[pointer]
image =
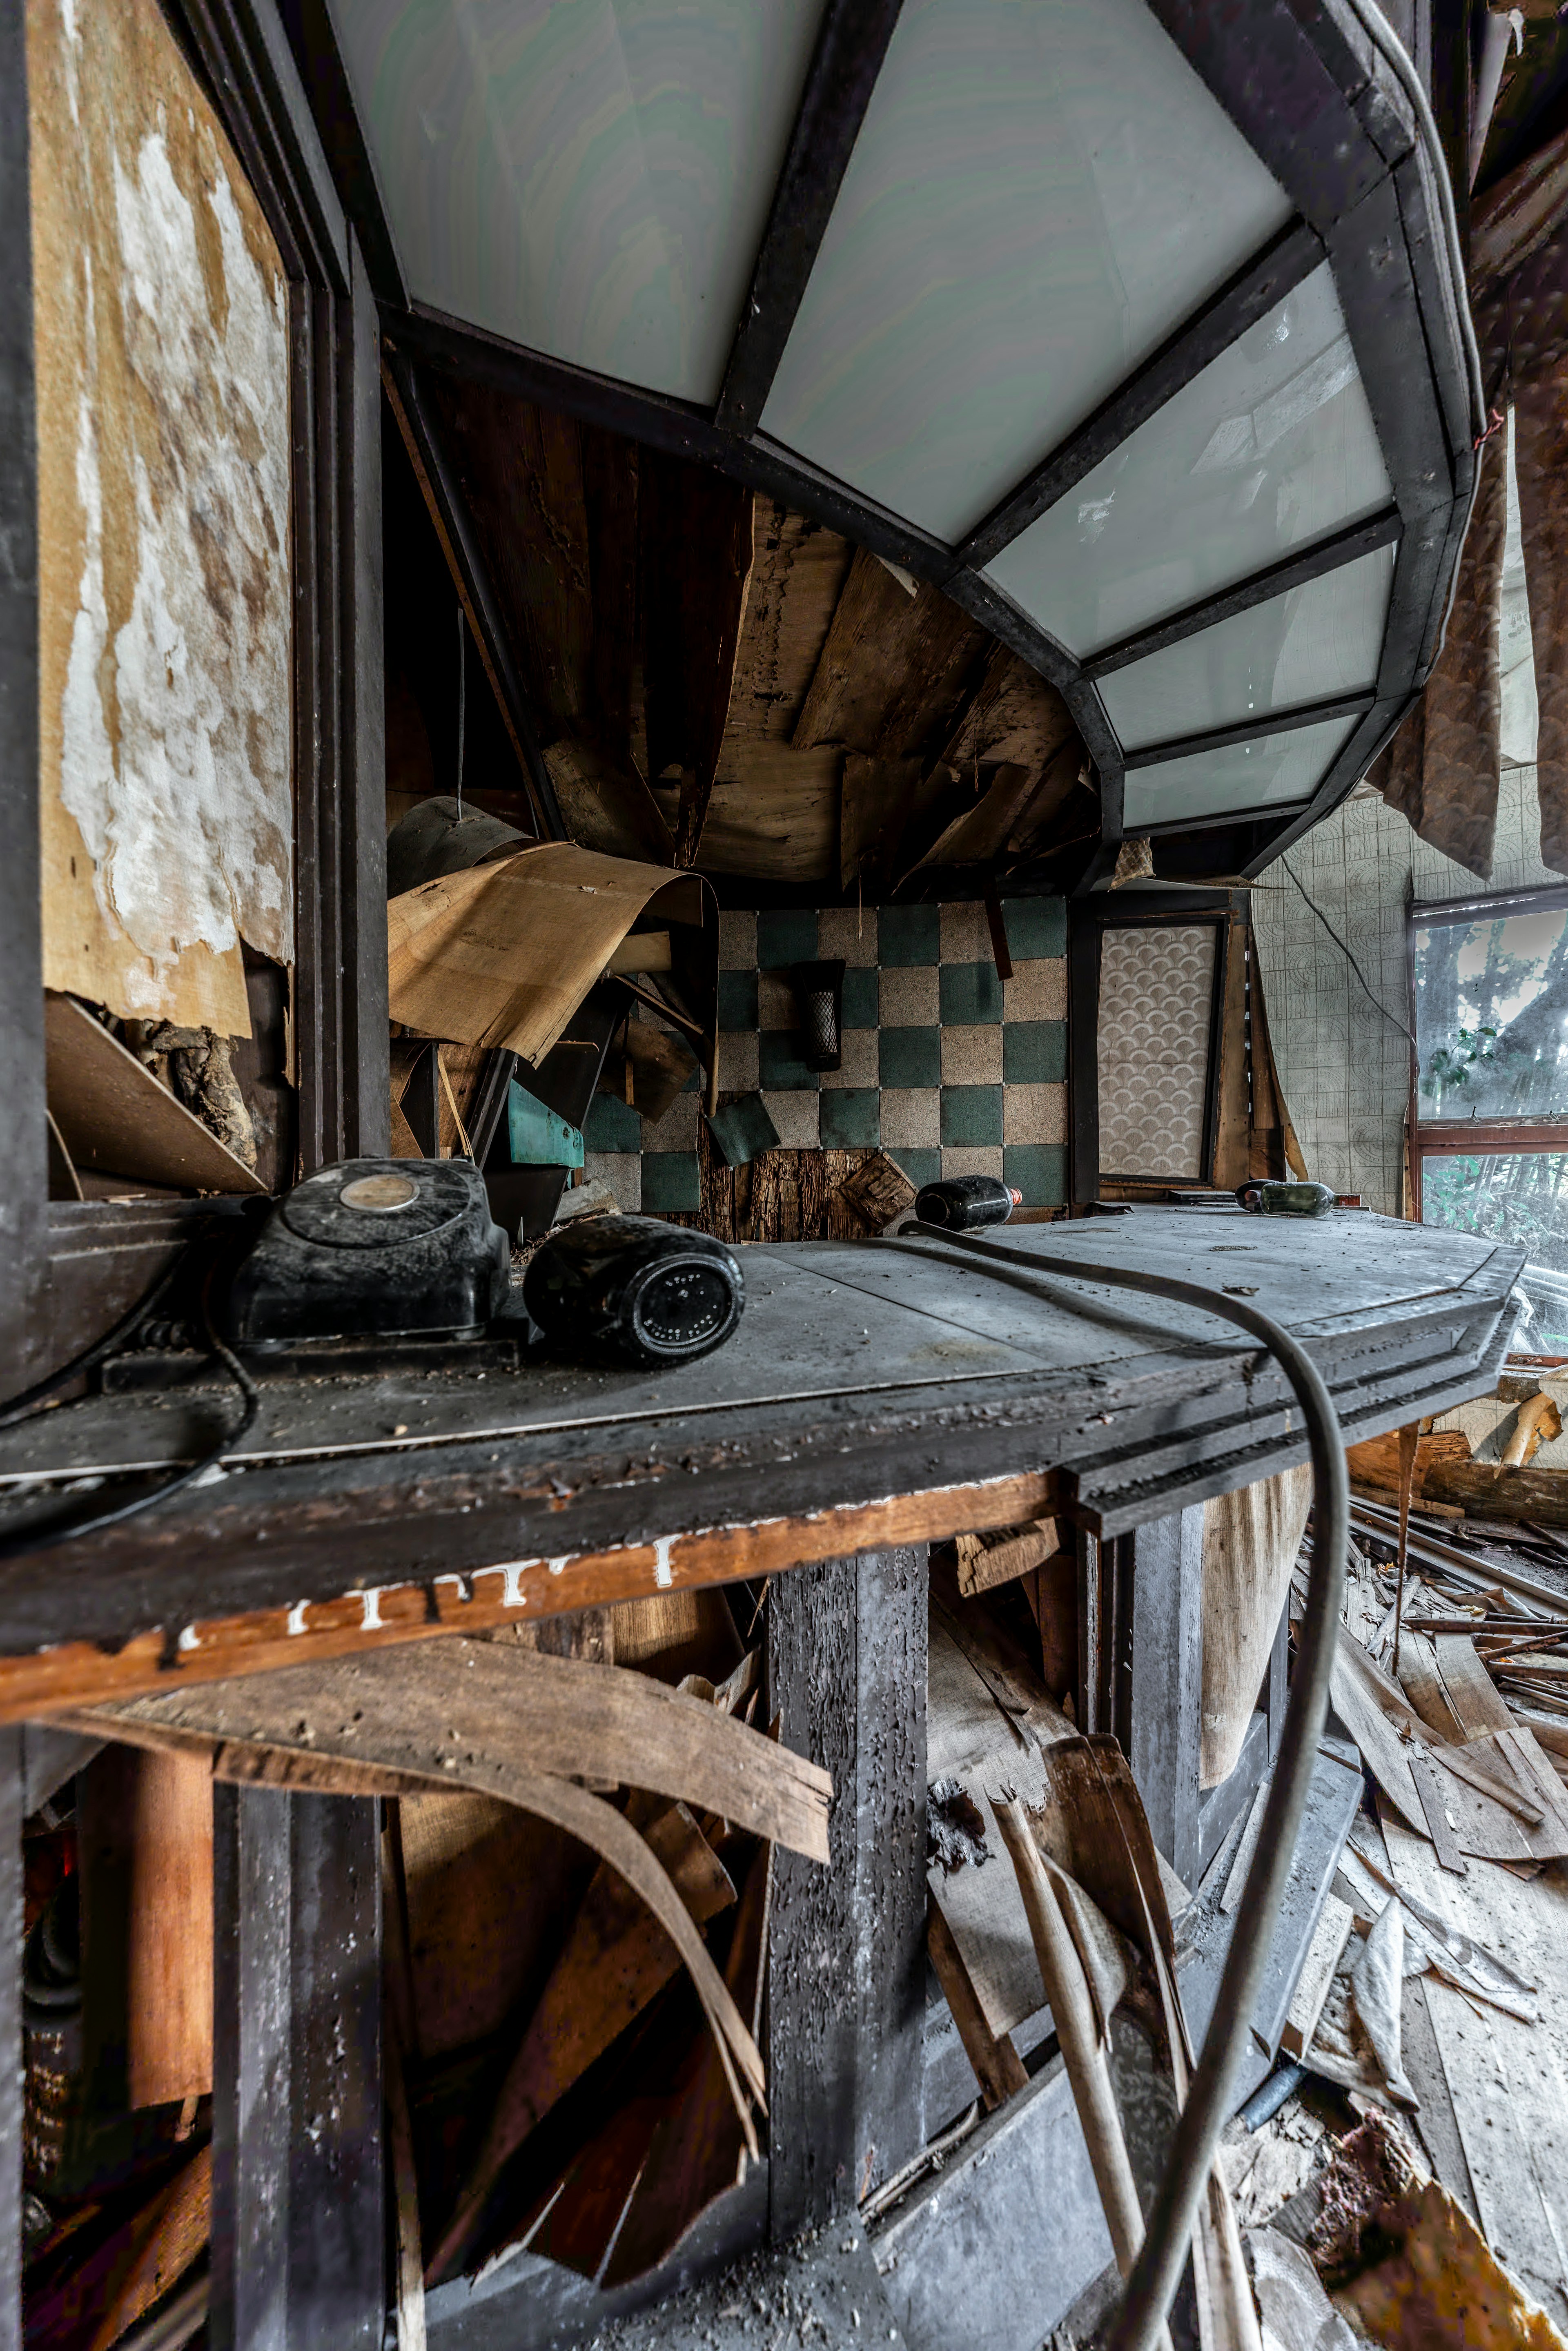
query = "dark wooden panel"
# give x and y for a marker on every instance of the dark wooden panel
(24, 1172)
(11, 1804)
(299, 2216)
(846, 1993)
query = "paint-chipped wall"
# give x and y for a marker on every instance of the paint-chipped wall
(162, 397)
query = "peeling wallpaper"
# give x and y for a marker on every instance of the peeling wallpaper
(162, 393)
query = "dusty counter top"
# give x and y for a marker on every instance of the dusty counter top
(874, 1393)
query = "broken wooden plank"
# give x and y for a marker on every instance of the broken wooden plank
(1430, 1788)
(114, 1116)
(1005, 1553)
(1329, 1938)
(1505, 2077)
(458, 1707)
(613, 1964)
(696, 529)
(697, 2153)
(997, 2067)
(798, 573)
(894, 668)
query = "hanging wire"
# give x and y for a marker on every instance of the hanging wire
(462, 701)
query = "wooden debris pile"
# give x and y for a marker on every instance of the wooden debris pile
(1437, 1984)
(577, 1863)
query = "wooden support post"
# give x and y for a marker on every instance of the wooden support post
(298, 2218)
(11, 2092)
(1164, 1731)
(846, 1996)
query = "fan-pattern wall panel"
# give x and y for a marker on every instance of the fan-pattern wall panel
(1156, 999)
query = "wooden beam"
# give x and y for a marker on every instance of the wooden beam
(81, 1673)
(847, 1650)
(299, 2224)
(697, 530)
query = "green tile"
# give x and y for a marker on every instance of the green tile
(1034, 1052)
(861, 998)
(972, 1114)
(778, 1061)
(672, 1184)
(742, 1129)
(612, 1125)
(971, 993)
(909, 935)
(738, 1000)
(852, 1117)
(788, 934)
(1038, 1170)
(1036, 926)
(910, 1057)
(920, 1166)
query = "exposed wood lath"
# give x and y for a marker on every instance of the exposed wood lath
(718, 680)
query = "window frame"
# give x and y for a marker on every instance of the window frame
(1465, 1138)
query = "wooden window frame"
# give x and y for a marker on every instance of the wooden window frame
(1090, 919)
(69, 1269)
(1464, 1138)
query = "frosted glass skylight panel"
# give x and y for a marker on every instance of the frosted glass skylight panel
(1270, 771)
(1271, 447)
(590, 178)
(1042, 192)
(1313, 643)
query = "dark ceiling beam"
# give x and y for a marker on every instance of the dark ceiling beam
(1251, 729)
(851, 46)
(1293, 571)
(677, 427)
(1249, 296)
(448, 510)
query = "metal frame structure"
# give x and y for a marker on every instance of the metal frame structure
(1321, 109)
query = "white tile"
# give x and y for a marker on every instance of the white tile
(966, 934)
(776, 1005)
(908, 994)
(796, 1117)
(1037, 991)
(860, 1060)
(911, 1118)
(849, 932)
(1034, 1113)
(737, 1058)
(973, 1057)
(677, 1130)
(622, 1170)
(737, 939)
(971, 1159)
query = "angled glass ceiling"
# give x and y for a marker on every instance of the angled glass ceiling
(1317, 642)
(1040, 191)
(1271, 447)
(590, 178)
(996, 214)
(1270, 771)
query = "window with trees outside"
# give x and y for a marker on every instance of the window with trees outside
(1489, 1115)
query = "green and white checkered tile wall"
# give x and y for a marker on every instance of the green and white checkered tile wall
(952, 1070)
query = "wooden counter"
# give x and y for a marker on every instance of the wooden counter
(876, 1394)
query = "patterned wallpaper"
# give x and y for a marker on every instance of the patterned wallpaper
(1345, 1068)
(949, 1069)
(1157, 996)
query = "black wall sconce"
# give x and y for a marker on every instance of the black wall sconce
(820, 997)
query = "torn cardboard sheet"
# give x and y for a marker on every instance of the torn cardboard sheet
(503, 954)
